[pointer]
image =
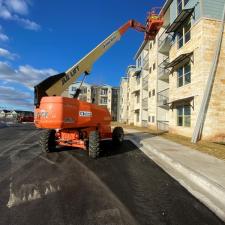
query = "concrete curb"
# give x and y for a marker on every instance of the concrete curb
(205, 190)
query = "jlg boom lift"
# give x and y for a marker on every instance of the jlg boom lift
(70, 122)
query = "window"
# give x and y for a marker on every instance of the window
(104, 91)
(151, 45)
(153, 119)
(150, 94)
(184, 116)
(83, 90)
(153, 92)
(184, 75)
(184, 34)
(149, 119)
(74, 88)
(150, 70)
(179, 6)
(154, 66)
(103, 100)
(186, 2)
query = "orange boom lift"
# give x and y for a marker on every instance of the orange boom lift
(75, 123)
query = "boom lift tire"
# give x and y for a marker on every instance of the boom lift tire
(47, 141)
(117, 136)
(94, 144)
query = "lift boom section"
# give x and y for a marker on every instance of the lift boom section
(55, 85)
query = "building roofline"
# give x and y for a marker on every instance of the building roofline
(140, 49)
(129, 67)
(165, 6)
(163, 10)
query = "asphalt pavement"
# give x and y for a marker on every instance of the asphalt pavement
(123, 186)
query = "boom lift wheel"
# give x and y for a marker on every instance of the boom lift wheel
(117, 135)
(94, 144)
(47, 141)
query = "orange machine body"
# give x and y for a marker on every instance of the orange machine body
(153, 24)
(72, 119)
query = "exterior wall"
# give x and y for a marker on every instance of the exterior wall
(152, 86)
(198, 80)
(215, 120)
(115, 104)
(130, 96)
(191, 4)
(203, 53)
(123, 102)
(213, 9)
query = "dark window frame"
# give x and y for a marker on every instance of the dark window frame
(184, 115)
(184, 75)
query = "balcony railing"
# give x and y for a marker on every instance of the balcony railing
(145, 62)
(164, 62)
(163, 98)
(165, 42)
(163, 73)
(145, 103)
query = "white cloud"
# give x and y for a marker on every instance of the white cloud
(7, 54)
(25, 75)
(12, 9)
(17, 6)
(3, 36)
(27, 24)
(15, 98)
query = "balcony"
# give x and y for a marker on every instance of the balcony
(137, 106)
(163, 98)
(163, 74)
(163, 71)
(145, 83)
(145, 62)
(136, 87)
(165, 42)
(145, 103)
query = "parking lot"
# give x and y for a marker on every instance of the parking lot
(123, 186)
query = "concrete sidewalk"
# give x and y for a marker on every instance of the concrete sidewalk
(201, 174)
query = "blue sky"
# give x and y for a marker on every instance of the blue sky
(39, 38)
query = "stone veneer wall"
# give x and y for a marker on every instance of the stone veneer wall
(203, 41)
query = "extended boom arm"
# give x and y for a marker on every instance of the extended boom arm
(55, 85)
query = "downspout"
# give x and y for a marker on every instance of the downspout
(209, 85)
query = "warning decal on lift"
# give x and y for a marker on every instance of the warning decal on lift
(85, 114)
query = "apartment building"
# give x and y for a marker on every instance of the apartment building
(105, 95)
(85, 94)
(141, 81)
(183, 56)
(102, 95)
